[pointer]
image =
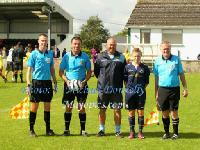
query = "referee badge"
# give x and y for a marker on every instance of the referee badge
(172, 67)
(48, 60)
(81, 62)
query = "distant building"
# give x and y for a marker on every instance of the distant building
(24, 19)
(177, 21)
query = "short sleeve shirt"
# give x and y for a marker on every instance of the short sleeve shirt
(168, 71)
(75, 67)
(41, 63)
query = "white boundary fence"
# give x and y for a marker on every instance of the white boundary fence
(149, 51)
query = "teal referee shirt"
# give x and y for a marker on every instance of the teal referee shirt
(168, 71)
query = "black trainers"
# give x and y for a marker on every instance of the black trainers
(32, 133)
(166, 136)
(101, 133)
(84, 133)
(174, 137)
(119, 135)
(66, 133)
(50, 133)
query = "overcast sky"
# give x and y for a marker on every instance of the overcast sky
(114, 13)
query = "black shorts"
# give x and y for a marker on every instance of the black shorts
(69, 96)
(136, 102)
(41, 91)
(18, 66)
(168, 98)
(115, 100)
(9, 66)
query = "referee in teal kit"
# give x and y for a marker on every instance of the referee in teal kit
(167, 69)
(75, 65)
(41, 68)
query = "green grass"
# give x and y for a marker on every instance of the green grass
(14, 133)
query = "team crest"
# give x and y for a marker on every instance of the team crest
(141, 71)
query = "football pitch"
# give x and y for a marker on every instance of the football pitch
(14, 134)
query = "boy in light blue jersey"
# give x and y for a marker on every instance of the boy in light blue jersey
(75, 66)
(167, 70)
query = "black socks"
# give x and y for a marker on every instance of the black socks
(67, 117)
(132, 123)
(82, 117)
(166, 122)
(141, 123)
(175, 123)
(32, 118)
(47, 120)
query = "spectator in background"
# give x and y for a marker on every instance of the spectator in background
(93, 55)
(1, 67)
(4, 56)
(29, 52)
(56, 52)
(17, 57)
(28, 48)
(9, 62)
(36, 47)
(126, 55)
(64, 52)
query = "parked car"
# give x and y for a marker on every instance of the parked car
(198, 57)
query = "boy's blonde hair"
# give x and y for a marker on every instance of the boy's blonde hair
(136, 50)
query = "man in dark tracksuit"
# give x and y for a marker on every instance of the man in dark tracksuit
(109, 68)
(17, 58)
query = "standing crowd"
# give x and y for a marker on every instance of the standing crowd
(12, 61)
(112, 70)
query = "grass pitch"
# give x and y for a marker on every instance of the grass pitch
(14, 133)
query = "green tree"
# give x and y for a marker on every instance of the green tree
(93, 33)
(124, 32)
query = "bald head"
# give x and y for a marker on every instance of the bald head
(111, 39)
(111, 45)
